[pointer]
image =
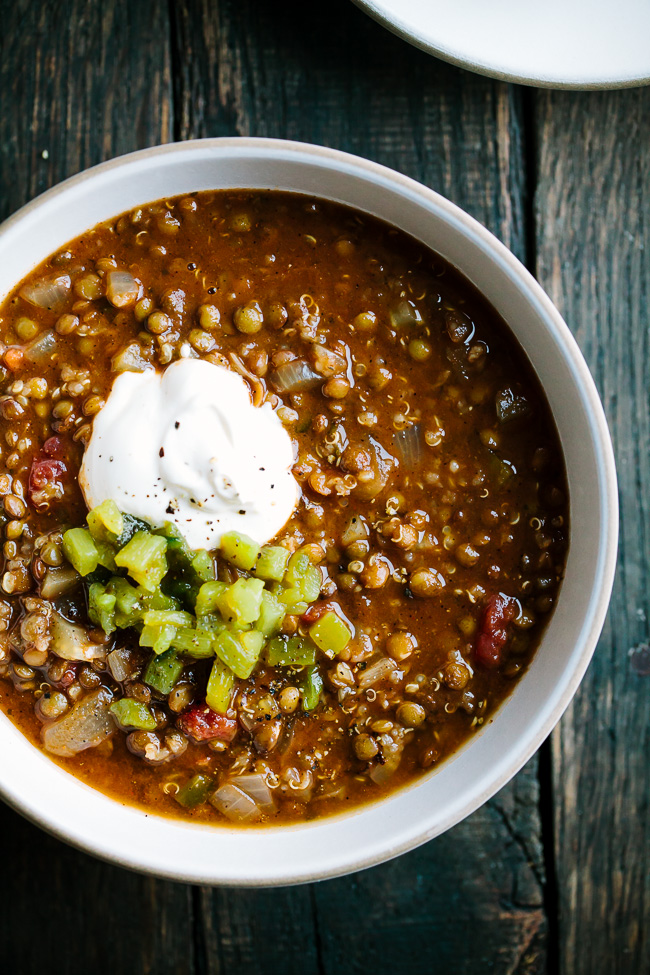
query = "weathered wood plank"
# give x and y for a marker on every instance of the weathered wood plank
(261, 932)
(81, 82)
(467, 902)
(62, 908)
(327, 74)
(593, 243)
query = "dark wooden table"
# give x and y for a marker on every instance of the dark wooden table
(553, 875)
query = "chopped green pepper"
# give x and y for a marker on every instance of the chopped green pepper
(194, 641)
(220, 687)
(101, 607)
(330, 634)
(184, 559)
(272, 563)
(178, 608)
(80, 550)
(127, 597)
(106, 555)
(159, 638)
(272, 612)
(133, 714)
(203, 565)
(239, 550)
(105, 517)
(293, 601)
(209, 597)
(194, 792)
(311, 687)
(291, 651)
(239, 651)
(244, 600)
(131, 525)
(144, 559)
(162, 672)
(167, 617)
(298, 565)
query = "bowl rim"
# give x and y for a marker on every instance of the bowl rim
(378, 175)
(377, 11)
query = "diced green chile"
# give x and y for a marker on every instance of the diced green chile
(163, 672)
(133, 714)
(290, 651)
(220, 687)
(311, 687)
(80, 550)
(194, 792)
(144, 557)
(240, 550)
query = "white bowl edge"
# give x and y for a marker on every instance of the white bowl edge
(381, 830)
(434, 35)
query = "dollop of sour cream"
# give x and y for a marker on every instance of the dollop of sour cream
(188, 446)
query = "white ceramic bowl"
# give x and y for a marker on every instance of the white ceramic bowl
(579, 44)
(71, 810)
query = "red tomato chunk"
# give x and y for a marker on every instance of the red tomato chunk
(203, 724)
(46, 473)
(493, 633)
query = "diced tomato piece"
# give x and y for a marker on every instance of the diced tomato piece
(45, 485)
(203, 724)
(499, 612)
(46, 476)
(316, 610)
(54, 447)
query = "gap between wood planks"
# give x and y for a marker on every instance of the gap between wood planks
(545, 760)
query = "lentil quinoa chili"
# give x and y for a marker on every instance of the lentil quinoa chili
(398, 605)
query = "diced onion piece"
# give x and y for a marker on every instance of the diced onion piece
(247, 721)
(257, 385)
(121, 663)
(255, 786)
(71, 642)
(297, 783)
(122, 289)
(355, 531)
(405, 313)
(295, 375)
(130, 359)
(376, 672)
(41, 348)
(51, 292)
(332, 794)
(235, 804)
(328, 363)
(59, 581)
(381, 773)
(408, 445)
(87, 725)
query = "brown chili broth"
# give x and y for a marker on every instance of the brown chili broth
(275, 248)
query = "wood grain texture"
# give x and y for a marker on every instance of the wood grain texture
(82, 81)
(79, 82)
(74, 914)
(326, 74)
(593, 257)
